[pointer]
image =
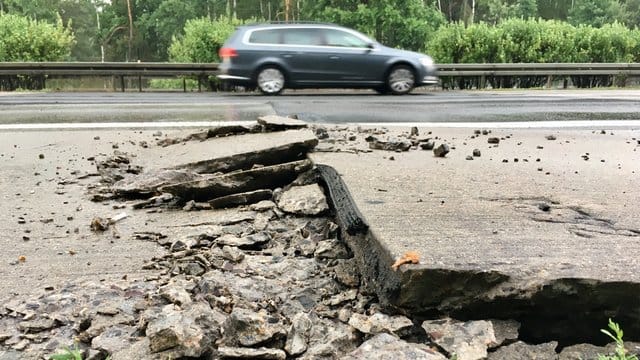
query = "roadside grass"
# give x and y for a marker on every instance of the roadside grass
(70, 354)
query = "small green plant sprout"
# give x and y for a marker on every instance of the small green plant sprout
(68, 354)
(616, 334)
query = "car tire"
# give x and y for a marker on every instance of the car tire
(401, 80)
(270, 80)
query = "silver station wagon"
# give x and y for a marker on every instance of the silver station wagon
(273, 57)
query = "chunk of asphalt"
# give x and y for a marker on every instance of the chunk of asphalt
(278, 123)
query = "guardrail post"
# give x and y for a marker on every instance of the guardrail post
(184, 84)
(139, 83)
(199, 83)
(122, 82)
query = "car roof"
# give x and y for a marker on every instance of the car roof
(292, 24)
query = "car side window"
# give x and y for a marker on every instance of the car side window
(341, 38)
(271, 36)
(301, 37)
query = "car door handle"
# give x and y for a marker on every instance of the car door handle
(287, 55)
(334, 57)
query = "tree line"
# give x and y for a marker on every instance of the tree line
(145, 30)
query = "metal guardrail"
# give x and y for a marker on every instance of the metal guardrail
(201, 71)
(550, 69)
(119, 70)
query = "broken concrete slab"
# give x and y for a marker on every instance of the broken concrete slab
(521, 350)
(249, 241)
(248, 328)
(593, 352)
(113, 339)
(218, 131)
(148, 182)
(182, 333)
(390, 144)
(240, 152)
(279, 123)
(298, 336)
(165, 199)
(228, 352)
(386, 346)
(485, 248)
(246, 198)
(303, 200)
(211, 187)
(506, 331)
(379, 322)
(465, 341)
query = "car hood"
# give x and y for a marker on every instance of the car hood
(401, 53)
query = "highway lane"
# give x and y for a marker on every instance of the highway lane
(442, 108)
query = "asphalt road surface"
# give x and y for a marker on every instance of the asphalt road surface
(443, 108)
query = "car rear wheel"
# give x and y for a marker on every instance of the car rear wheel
(401, 80)
(270, 80)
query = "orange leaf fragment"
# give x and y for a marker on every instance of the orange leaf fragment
(22, 258)
(410, 257)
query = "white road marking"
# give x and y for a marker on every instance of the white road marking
(635, 124)
(631, 124)
(123, 125)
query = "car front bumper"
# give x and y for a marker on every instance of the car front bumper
(232, 77)
(429, 80)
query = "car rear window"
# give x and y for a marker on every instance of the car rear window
(302, 37)
(288, 36)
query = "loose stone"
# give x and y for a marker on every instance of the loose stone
(441, 151)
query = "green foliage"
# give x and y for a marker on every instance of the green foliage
(534, 41)
(406, 24)
(77, 15)
(409, 24)
(174, 84)
(595, 12)
(494, 11)
(616, 333)
(23, 39)
(202, 40)
(68, 354)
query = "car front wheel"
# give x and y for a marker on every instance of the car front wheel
(401, 80)
(270, 80)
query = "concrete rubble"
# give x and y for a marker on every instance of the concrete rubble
(254, 263)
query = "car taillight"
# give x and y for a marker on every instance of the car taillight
(227, 53)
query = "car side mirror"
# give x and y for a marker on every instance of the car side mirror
(371, 46)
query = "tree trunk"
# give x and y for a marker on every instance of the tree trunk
(473, 11)
(287, 9)
(130, 29)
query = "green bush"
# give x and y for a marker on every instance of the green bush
(406, 24)
(23, 39)
(534, 41)
(202, 40)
